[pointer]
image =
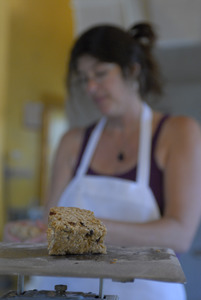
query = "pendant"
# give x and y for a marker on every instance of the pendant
(120, 156)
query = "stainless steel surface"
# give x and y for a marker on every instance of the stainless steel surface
(120, 263)
(52, 295)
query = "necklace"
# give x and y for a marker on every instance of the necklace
(120, 156)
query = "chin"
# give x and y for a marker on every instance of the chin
(105, 111)
(105, 107)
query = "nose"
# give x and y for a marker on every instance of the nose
(91, 86)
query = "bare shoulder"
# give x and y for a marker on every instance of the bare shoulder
(72, 137)
(67, 152)
(182, 129)
(181, 136)
(70, 143)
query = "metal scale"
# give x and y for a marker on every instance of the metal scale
(120, 264)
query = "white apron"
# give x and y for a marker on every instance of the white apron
(117, 199)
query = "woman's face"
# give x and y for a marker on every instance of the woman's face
(104, 84)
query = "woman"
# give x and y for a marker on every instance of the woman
(137, 169)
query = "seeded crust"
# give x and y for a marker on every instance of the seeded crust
(72, 230)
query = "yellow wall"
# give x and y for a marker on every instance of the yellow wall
(41, 33)
(4, 43)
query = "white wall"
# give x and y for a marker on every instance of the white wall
(181, 68)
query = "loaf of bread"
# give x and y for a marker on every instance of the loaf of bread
(72, 230)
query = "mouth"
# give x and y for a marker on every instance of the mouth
(102, 103)
(99, 99)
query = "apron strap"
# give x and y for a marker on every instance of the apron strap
(144, 152)
(90, 148)
(143, 170)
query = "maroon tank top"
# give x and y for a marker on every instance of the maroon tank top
(156, 174)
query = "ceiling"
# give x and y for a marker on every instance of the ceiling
(176, 21)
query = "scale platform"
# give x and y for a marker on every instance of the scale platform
(123, 264)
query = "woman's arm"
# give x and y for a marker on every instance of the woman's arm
(63, 166)
(181, 165)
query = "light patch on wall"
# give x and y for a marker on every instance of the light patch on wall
(33, 114)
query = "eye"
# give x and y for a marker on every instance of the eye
(101, 74)
(103, 70)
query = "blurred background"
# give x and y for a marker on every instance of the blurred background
(35, 40)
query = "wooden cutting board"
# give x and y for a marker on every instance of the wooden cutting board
(120, 263)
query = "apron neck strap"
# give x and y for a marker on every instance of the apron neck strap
(90, 148)
(144, 151)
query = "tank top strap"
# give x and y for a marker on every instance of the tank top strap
(158, 130)
(144, 151)
(90, 148)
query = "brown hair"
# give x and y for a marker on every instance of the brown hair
(109, 43)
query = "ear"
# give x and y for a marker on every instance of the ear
(132, 72)
(135, 70)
